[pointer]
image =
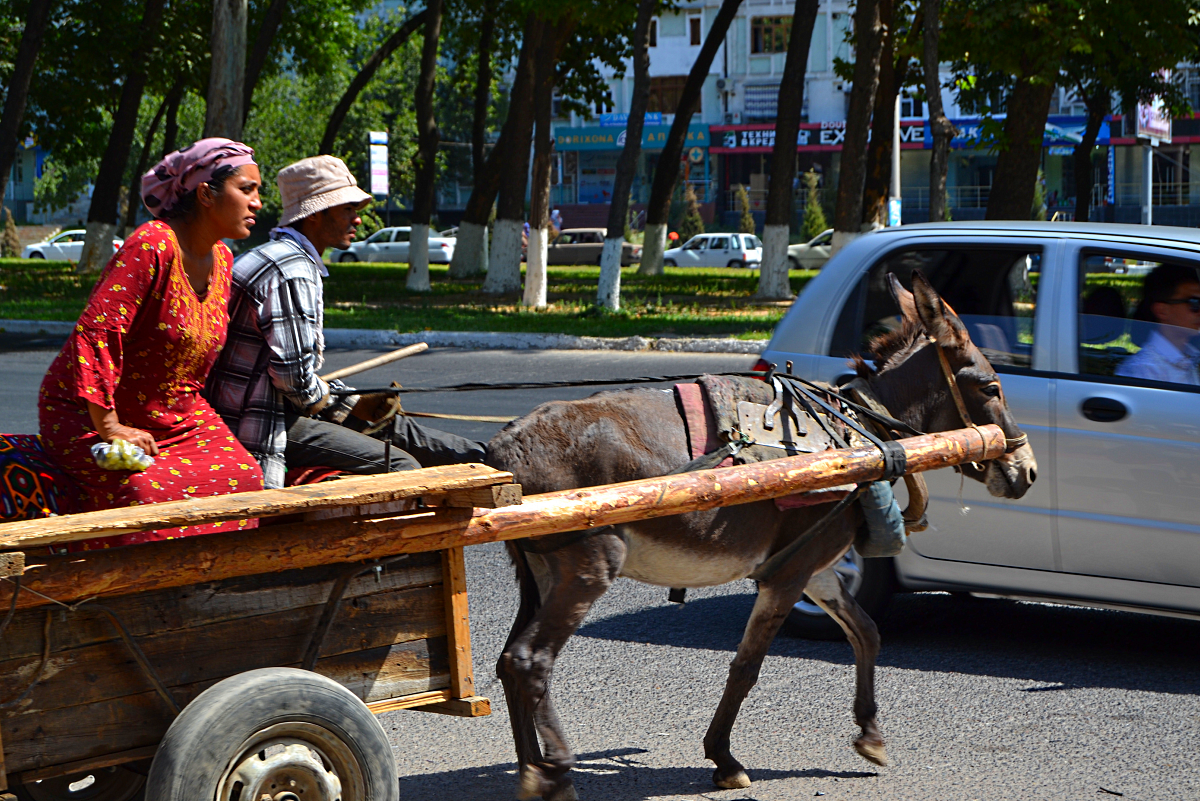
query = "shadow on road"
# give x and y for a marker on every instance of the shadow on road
(615, 773)
(1061, 647)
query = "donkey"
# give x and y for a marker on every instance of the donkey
(630, 434)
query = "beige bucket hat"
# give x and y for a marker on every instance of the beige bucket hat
(315, 184)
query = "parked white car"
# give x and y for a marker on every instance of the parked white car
(1111, 520)
(391, 245)
(716, 250)
(813, 254)
(65, 245)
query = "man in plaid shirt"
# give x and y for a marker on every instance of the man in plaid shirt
(265, 383)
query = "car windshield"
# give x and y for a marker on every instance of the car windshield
(822, 239)
(695, 243)
(380, 236)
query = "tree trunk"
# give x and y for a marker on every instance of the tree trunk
(847, 217)
(883, 122)
(18, 86)
(543, 155)
(1017, 167)
(106, 193)
(425, 159)
(608, 292)
(940, 126)
(226, 81)
(471, 248)
(773, 281)
(1098, 104)
(171, 131)
(667, 172)
(135, 183)
(256, 59)
(364, 76)
(504, 270)
(483, 87)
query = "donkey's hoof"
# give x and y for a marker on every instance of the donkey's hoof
(736, 780)
(565, 792)
(873, 751)
(531, 785)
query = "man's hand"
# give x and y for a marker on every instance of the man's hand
(376, 409)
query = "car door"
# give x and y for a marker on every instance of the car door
(692, 252)
(591, 244)
(372, 249)
(1127, 447)
(817, 252)
(559, 249)
(993, 285)
(69, 245)
(717, 252)
(398, 248)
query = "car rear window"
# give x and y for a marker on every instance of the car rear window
(993, 290)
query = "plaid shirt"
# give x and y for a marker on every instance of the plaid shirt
(274, 349)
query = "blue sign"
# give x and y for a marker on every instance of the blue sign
(893, 212)
(1060, 131)
(654, 137)
(621, 119)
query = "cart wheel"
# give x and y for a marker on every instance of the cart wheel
(106, 784)
(286, 734)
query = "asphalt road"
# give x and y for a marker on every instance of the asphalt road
(979, 698)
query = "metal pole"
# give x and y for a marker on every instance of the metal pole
(895, 190)
(1147, 183)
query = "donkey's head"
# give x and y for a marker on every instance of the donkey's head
(932, 376)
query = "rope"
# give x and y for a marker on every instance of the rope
(588, 382)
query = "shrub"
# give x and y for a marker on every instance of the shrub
(693, 223)
(746, 223)
(814, 215)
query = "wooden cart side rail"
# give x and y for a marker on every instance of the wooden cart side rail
(465, 479)
(194, 560)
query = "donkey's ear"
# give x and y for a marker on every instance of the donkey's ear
(903, 298)
(939, 319)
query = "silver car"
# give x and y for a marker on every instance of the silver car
(391, 245)
(65, 246)
(1110, 521)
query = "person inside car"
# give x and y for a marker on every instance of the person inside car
(1171, 302)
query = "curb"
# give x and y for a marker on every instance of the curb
(478, 340)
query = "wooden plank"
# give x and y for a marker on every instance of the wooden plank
(217, 556)
(133, 721)
(357, 490)
(85, 765)
(104, 671)
(196, 606)
(410, 701)
(458, 625)
(13, 564)
(485, 497)
(473, 707)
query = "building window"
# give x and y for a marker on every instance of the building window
(653, 33)
(910, 106)
(694, 30)
(605, 106)
(665, 93)
(770, 34)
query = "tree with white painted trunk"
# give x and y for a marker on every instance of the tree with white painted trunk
(868, 47)
(608, 293)
(773, 281)
(425, 159)
(666, 174)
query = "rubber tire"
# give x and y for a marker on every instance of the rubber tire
(736, 265)
(200, 745)
(874, 594)
(793, 263)
(669, 263)
(347, 257)
(37, 254)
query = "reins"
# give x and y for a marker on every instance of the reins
(1010, 443)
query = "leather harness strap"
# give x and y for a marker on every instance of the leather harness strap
(1010, 443)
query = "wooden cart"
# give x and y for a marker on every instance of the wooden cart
(360, 581)
(93, 682)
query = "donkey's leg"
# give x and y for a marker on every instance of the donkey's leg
(520, 715)
(828, 592)
(581, 573)
(775, 599)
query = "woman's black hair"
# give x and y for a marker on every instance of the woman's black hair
(187, 204)
(1160, 285)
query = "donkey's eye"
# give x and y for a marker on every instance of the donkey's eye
(991, 390)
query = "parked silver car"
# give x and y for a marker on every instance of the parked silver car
(1112, 519)
(716, 250)
(65, 245)
(391, 245)
(813, 254)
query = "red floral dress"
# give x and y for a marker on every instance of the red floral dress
(144, 345)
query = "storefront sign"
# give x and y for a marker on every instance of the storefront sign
(1061, 131)
(811, 136)
(379, 162)
(621, 119)
(654, 137)
(1153, 119)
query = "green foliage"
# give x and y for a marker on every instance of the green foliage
(746, 221)
(814, 215)
(630, 216)
(61, 183)
(692, 223)
(10, 243)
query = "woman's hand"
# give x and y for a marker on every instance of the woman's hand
(109, 428)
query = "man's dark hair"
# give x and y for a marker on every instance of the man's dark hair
(1160, 285)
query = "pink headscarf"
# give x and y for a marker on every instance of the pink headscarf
(184, 170)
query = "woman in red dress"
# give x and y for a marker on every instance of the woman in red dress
(134, 366)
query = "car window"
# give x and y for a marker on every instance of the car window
(695, 243)
(753, 242)
(736, 242)
(401, 236)
(564, 239)
(718, 243)
(993, 290)
(822, 239)
(380, 236)
(1138, 318)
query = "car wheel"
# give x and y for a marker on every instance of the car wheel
(668, 263)
(736, 264)
(346, 257)
(793, 263)
(870, 581)
(36, 255)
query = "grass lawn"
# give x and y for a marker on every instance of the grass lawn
(691, 301)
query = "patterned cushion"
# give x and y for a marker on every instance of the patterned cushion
(31, 486)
